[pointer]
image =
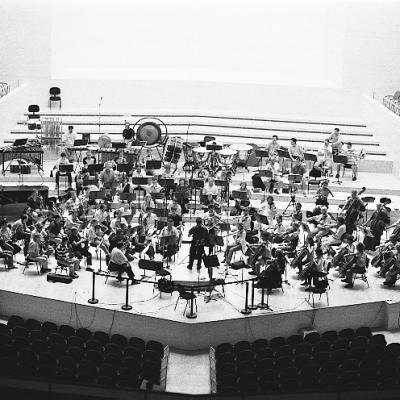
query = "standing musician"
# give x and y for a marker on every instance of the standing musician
(335, 139)
(295, 150)
(213, 161)
(211, 220)
(324, 158)
(299, 168)
(170, 247)
(353, 207)
(239, 244)
(200, 236)
(269, 210)
(356, 264)
(182, 194)
(322, 194)
(69, 139)
(128, 133)
(272, 149)
(273, 166)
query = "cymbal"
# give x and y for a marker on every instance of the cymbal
(240, 147)
(201, 150)
(227, 152)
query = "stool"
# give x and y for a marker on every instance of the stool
(55, 96)
(30, 262)
(313, 291)
(361, 276)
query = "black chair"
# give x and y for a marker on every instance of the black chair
(328, 382)
(150, 355)
(244, 355)
(227, 368)
(323, 345)
(77, 353)
(259, 344)
(301, 360)
(14, 321)
(112, 348)
(47, 359)
(339, 355)
(284, 362)
(330, 367)
(330, 336)
(285, 350)
(155, 346)
(4, 328)
(248, 382)
(185, 295)
(49, 327)
(312, 337)
(132, 363)
(242, 345)
(223, 348)
(114, 359)
(5, 338)
(66, 331)
(20, 342)
(32, 324)
(269, 386)
(95, 356)
(37, 335)
(266, 352)
(20, 331)
(225, 358)
(45, 372)
(151, 372)
(277, 342)
(84, 333)
(310, 369)
(321, 357)
(393, 349)
(137, 342)
(294, 340)
(119, 340)
(303, 348)
(350, 364)
(264, 364)
(39, 346)
(128, 378)
(378, 339)
(54, 96)
(58, 349)
(93, 344)
(65, 375)
(75, 341)
(347, 333)
(67, 362)
(107, 370)
(341, 343)
(364, 331)
(101, 337)
(56, 338)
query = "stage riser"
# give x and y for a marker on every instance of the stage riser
(193, 334)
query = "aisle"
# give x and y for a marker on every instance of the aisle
(188, 372)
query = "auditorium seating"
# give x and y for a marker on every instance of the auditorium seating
(45, 351)
(348, 359)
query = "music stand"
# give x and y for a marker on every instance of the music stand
(80, 142)
(310, 157)
(263, 219)
(118, 145)
(261, 154)
(93, 168)
(164, 242)
(240, 195)
(139, 181)
(195, 184)
(219, 182)
(153, 164)
(339, 159)
(97, 194)
(294, 178)
(127, 196)
(66, 168)
(213, 147)
(124, 167)
(166, 182)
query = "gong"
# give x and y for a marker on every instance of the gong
(149, 132)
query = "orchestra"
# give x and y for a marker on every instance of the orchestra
(155, 215)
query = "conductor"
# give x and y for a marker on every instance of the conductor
(200, 235)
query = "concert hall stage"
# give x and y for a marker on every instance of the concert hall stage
(153, 316)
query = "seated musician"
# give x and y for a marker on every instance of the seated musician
(337, 235)
(118, 222)
(297, 215)
(261, 254)
(358, 265)
(322, 194)
(375, 227)
(35, 253)
(324, 158)
(210, 201)
(34, 201)
(166, 171)
(147, 202)
(102, 216)
(213, 161)
(279, 230)
(268, 209)
(139, 172)
(291, 238)
(73, 203)
(55, 228)
(120, 263)
(182, 194)
(392, 274)
(89, 159)
(143, 243)
(322, 223)
(347, 247)
(108, 178)
(149, 222)
(44, 239)
(241, 203)
(335, 139)
(299, 168)
(97, 237)
(120, 159)
(304, 255)
(8, 256)
(62, 161)
(295, 150)
(275, 181)
(154, 186)
(64, 257)
(257, 181)
(315, 268)
(210, 187)
(238, 245)
(352, 158)
(171, 245)
(80, 247)
(21, 231)
(211, 220)
(271, 277)
(178, 222)
(174, 204)
(71, 220)
(248, 225)
(354, 205)
(200, 237)
(6, 237)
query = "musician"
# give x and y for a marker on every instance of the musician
(239, 244)
(64, 258)
(55, 228)
(176, 217)
(80, 247)
(295, 150)
(8, 257)
(62, 161)
(120, 263)
(69, 139)
(299, 168)
(73, 203)
(147, 202)
(174, 204)
(34, 201)
(143, 243)
(211, 187)
(272, 149)
(269, 210)
(149, 222)
(6, 236)
(200, 236)
(377, 224)
(120, 159)
(358, 265)
(322, 194)
(182, 194)
(107, 177)
(354, 205)
(261, 254)
(314, 268)
(169, 248)
(392, 275)
(89, 159)
(97, 238)
(323, 222)
(335, 139)
(154, 186)
(71, 220)
(213, 161)
(347, 247)
(273, 166)
(291, 238)
(259, 226)
(210, 201)
(324, 158)
(139, 172)
(297, 215)
(118, 222)
(337, 236)
(102, 216)
(271, 277)
(304, 255)
(35, 253)
(211, 220)
(241, 203)
(21, 231)
(278, 230)
(128, 133)
(352, 158)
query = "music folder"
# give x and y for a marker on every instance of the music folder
(97, 194)
(261, 153)
(80, 142)
(153, 164)
(93, 168)
(196, 183)
(140, 180)
(118, 145)
(239, 194)
(219, 182)
(124, 167)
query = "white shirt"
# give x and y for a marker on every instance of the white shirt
(69, 139)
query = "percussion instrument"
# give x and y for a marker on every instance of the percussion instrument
(173, 150)
(227, 156)
(243, 153)
(104, 142)
(200, 155)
